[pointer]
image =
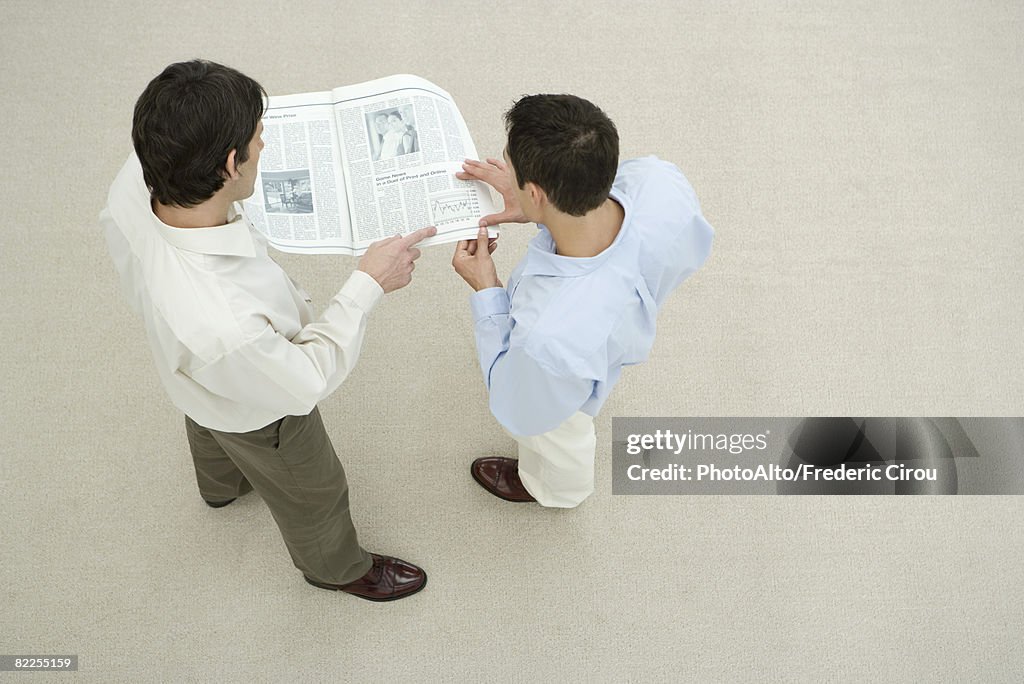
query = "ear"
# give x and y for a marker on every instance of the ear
(231, 167)
(537, 194)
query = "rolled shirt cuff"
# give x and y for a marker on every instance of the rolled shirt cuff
(491, 301)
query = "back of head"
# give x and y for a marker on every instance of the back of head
(565, 145)
(186, 122)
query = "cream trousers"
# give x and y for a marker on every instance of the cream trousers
(557, 467)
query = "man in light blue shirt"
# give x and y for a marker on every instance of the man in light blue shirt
(613, 242)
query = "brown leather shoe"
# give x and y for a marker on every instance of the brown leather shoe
(500, 476)
(389, 579)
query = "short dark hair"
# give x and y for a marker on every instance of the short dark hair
(186, 122)
(565, 145)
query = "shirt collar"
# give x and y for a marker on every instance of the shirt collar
(541, 259)
(231, 239)
(131, 208)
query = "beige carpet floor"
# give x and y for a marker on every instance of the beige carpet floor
(863, 164)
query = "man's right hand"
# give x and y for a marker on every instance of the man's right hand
(391, 261)
(494, 173)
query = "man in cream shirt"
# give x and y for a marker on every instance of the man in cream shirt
(235, 341)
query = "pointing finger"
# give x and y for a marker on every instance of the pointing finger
(421, 234)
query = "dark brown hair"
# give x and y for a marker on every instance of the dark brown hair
(186, 122)
(565, 145)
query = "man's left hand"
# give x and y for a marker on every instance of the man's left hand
(473, 261)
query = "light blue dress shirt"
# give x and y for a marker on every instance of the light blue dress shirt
(555, 340)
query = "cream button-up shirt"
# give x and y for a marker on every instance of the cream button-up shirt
(234, 339)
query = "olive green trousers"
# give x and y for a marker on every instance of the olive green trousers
(292, 465)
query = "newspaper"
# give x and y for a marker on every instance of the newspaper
(341, 169)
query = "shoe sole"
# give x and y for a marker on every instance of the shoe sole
(331, 587)
(490, 491)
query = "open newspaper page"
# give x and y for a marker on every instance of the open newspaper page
(299, 201)
(402, 140)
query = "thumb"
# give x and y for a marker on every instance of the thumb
(495, 219)
(481, 243)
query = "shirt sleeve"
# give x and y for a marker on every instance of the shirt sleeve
(289, 377)
(124, 261)
(526, 397)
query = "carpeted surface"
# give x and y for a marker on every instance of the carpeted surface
(862, 164)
